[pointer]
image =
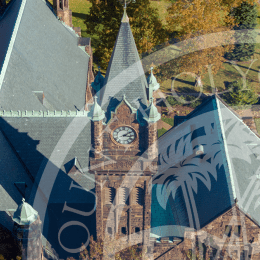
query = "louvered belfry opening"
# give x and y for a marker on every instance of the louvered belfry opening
(110, 194)
(139, 196)
(124, 196)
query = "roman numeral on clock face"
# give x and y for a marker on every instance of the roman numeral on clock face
(124, 135)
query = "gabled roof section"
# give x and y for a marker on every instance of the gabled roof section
(74, 166)
(125, 74)
(204, 178)
(242, 147)
(40, 54)
(227, 171)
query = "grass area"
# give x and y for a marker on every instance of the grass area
(257, 124)
(167, 120)
(161, 132)
(185, 83)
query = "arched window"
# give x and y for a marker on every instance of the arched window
(139, 196)
(110, 194)
(61, 4)
(124, 196)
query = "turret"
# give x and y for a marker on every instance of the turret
(152, 117)
(97, 115)
(153, 85)
(27, 229)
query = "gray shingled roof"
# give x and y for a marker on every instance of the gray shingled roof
(225, 172)
(47, 146)
(125, 73)
(35, 140)
(11, 171)
(42, 56)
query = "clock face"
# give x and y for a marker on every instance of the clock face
(124, 135)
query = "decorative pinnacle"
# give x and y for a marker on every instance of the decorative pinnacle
(95, 99)
(23, 200)
(124, 96)
(98, 68)
(151, 69)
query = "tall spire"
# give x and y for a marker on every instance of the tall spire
(125, 74)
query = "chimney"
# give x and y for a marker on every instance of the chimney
(61, 8)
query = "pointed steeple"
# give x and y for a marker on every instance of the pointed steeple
(96, 113)
(125, 74)
(152, 114)
(25, 214)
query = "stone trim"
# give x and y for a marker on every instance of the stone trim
(41, 113)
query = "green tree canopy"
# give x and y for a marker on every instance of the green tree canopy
(104, 20)
(239, 95)
(245, 16)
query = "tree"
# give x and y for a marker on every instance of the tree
(104, 20)
(208, 20)
(239, 95)
(245, 16)
(96, 252)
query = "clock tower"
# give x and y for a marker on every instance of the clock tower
(124, 155)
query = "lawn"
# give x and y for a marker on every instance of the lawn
(161, 132)
(168, 120)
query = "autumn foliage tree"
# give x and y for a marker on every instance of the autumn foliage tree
(201, 26)
(104, 20)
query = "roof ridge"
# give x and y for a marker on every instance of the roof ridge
(11, 43)
(43, 113)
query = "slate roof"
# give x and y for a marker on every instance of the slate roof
(194, 185)
(39, 139)
(125, 74)
(46, 148)
(39, 53)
